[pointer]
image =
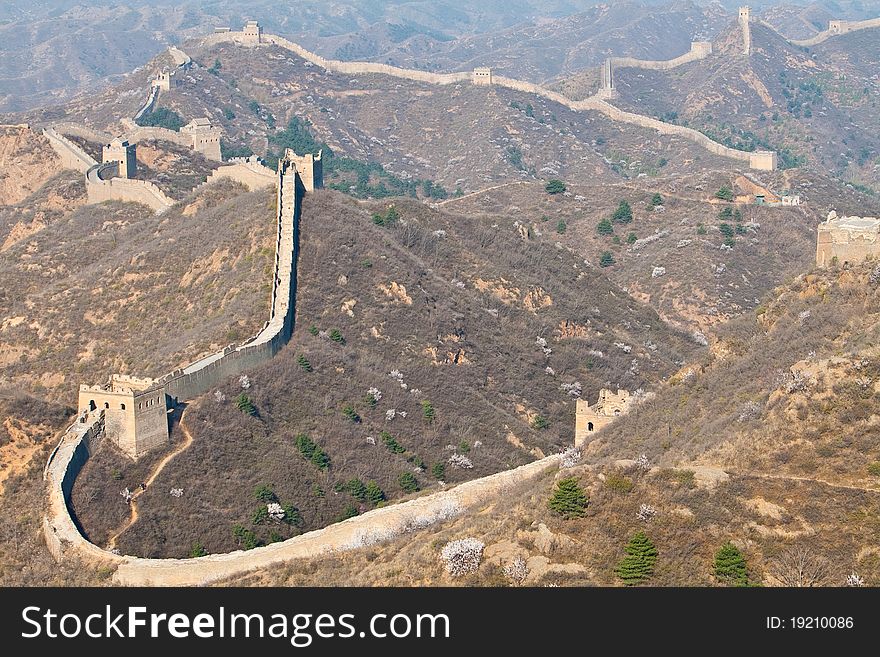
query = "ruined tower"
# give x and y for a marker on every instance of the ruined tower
(135, 412)
(745, 18)
(164, 80)
(591, 418)
(124, 155)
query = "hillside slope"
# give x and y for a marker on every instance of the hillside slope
(460, 307)
(770, 442)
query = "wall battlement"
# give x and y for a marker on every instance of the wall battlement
(101, 187)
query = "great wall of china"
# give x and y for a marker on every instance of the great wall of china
(762, 160)
(61, 532)
(84, 436)
(836, 28)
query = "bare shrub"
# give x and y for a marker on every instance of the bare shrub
(800, 567)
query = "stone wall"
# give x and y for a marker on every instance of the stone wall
(135, 133)
(203, 375)
(844, 27)
(83, 132)
(698, 51)
(250, 174)
(123, 189)
(668, 129)
(71, 155)
(376, 526)
(148, 103)
(63, 536)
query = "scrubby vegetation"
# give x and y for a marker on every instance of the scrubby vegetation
(162, 117)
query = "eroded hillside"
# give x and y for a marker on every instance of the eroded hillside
(115, 288)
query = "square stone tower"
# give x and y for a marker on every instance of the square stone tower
(164, 80)
(763, 160)
(745, 18)
(482, 75)
(252, 34)
(124, 154)
(205, 138)
(309, 167)
(701, 48)
(135, 412)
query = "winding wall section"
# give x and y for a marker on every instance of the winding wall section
(836, 28)
(71, 155)
(64, 538)
(590, 104)
(127, 190)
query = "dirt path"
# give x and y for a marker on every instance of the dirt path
(188, 439)
(813, 480)
(483, 191)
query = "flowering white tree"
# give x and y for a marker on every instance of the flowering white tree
(573, 389)
(460, 461)
(126, 494)
(642, 462)
(219, 396)
(375, 393)
(855, 580)
(244, 382)
(749, 411)
(390, 414)
(700, 338)
(550, 371)
(276, 512)
(463, 556)
(516, 571)
(646, 512)
(371, 440)
(570, 458)
(176, 492)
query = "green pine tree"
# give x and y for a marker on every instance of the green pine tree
(656, 200)
(604, 227)
(569, 500)
(245, 405)
(555, 186)
(375, 494)
(408, 482)
(730, 566)
(638, 564)
(606, 259)
(725, 193)
(623, 214)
